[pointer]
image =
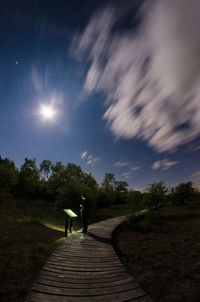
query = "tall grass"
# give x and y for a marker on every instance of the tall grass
(32, 211)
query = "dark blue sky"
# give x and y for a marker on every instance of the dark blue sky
(48, 56)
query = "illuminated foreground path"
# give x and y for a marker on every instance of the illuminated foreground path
(85, 268)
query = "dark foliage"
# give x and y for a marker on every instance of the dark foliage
(184, 193)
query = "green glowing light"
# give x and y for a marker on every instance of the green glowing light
(52, 226)
(70, 213)
(60, 240)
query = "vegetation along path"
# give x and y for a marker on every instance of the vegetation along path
(85, 267)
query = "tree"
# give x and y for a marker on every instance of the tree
(29, 178)
(65, 174)
(121, 191)
(70, 177)
(90, 182)
(183, 193)
(56, 179)
(109, 181)
(8, 176)
(121, 186)
(45, 167)
(135, 202)
(157, 194)
(69, 196)
(112, 190)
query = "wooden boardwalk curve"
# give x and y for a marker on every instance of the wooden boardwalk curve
(85, 268)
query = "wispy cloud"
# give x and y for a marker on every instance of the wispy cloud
(126, 174)
(196, 148)
(135, 168)
(121, 164)
(163, 164)
(83, 154)
(196, 179)
(151, 78)
(92, 161)
(44, 90)
(89, 159)
(196, 175)
(38, 80)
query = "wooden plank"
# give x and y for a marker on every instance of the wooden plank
(85, 268)
(117, 297)
(71, 258)
(54, 290)
(76, 247)
(83, 252)
(88, 256)
(57, 282)
(70, 264)
(92, 280)
(83, 276)
(82, 272)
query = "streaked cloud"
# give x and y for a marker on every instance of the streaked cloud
(121, 164)
(163, 164)
(196, 175)
(92, 161)
(38, 80)
(196, 148)
(44, 90)
(89, 159)
(83, 154)
(150, 78)
(196, 179)
(135, 168)
(126, 174)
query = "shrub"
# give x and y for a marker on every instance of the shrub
(157, 194)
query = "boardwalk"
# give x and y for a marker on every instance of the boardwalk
(85, 268)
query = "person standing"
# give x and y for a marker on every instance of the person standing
(68, 220)
(84, 207)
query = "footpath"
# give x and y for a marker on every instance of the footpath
(85, 268)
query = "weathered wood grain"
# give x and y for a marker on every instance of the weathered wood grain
(85, 268)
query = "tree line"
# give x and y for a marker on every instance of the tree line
(62, 185)
(58, 183)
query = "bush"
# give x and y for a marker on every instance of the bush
(184, 193)
(157, 194)
(136, 202)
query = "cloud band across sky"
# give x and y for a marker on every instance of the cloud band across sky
(150, 77)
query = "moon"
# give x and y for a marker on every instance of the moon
(47, 112)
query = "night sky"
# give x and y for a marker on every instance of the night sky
(123, 80)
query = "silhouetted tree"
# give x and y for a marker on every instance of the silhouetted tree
(121, 188)
(108, 183)
(183, 193)
(45, 167)
(157, 194)
(89, 181)
(8, 176)
(29, 179)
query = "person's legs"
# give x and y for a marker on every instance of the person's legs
(70, 226)
(84, 222)
(66, 226)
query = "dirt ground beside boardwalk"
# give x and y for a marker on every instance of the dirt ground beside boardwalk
(164, 254)
(25, 247)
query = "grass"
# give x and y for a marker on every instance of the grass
(30, 232)
(25, 247)
(163, 253)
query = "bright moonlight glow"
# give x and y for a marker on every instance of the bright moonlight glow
(47, 112)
